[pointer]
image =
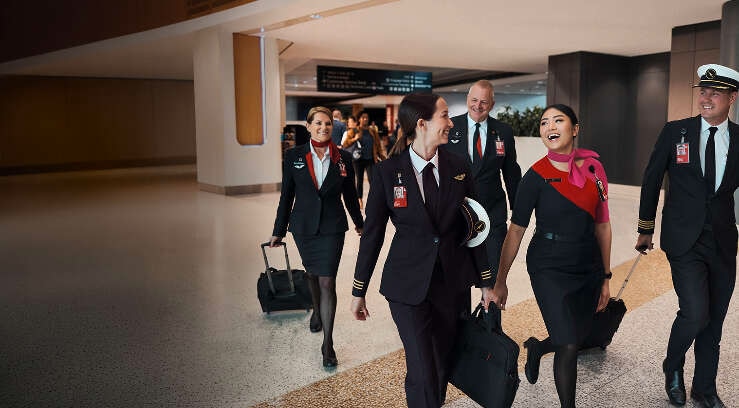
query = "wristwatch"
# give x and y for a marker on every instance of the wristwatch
(609, 275)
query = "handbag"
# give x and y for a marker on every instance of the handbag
(485, 361)
(356, 150)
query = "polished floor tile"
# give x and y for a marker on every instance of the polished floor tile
(131, 287)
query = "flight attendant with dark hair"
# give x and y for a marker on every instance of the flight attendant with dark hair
(315, 177)
(427, 274)
(569, 257)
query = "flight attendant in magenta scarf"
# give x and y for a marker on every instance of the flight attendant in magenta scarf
(569, 257)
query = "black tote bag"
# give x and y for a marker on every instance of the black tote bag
(485, 361)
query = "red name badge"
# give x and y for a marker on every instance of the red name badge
(499, 148)
(342, 168)
(400, 197)
(682, 153)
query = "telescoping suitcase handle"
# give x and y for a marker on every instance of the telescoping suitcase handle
(269, 273)
(626, 281)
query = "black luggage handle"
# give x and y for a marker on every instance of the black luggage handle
(269, 272)
(490, 323)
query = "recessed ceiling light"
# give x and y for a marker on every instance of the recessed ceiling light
(315, 16)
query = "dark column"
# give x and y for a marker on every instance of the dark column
(621, 103)
(730, 54)
(730, 40)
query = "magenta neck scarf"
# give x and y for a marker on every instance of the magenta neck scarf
(577, 174)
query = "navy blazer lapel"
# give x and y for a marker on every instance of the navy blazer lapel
(333, 176)
(693, 137)
(461, 135)
(492, 136)
(300, 164)
(408, 178)
(444, 176)
(731, 158)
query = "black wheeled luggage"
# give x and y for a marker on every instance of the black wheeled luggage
(607, 321)
(285, 289)
(485, 361)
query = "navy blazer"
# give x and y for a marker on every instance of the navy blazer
(686, 201)
(308, 210)
(418, 241)
(487, 174)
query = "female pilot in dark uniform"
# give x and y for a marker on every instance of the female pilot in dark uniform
(427, 274)
(570, 252)
(315, 176)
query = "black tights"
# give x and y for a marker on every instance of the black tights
(565, 373)
(323, 291)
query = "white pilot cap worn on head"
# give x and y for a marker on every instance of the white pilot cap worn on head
(717, 76)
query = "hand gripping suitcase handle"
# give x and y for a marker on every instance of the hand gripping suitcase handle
(269, 273)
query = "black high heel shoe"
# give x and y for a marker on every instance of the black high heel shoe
(315, 323)
(329, 357)
(533, 358)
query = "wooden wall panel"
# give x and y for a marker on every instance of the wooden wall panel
(173, 119)
(33, 113)
(686, 57)
(248, 86)
(68, 123)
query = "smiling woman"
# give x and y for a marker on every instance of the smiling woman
(315, 178)
(427, 274)
(570, 255)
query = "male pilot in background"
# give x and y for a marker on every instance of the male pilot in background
(699, 235)
(490, 149)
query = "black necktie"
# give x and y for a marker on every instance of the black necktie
(710, 172)
(476, 145)
(430, 190)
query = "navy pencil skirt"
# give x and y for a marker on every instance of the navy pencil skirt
(320, 253)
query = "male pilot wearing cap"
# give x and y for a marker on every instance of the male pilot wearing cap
(701, 158)
(489, 148)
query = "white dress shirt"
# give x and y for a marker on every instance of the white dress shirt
(320, 166)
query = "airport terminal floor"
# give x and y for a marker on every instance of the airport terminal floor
(132, 288)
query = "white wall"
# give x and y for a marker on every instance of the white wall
(529, 150)
(221, 160)
(208, 107)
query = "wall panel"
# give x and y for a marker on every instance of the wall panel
(54, 123)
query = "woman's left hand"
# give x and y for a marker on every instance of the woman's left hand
(605, 295)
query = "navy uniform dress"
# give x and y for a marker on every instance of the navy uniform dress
(564, 260)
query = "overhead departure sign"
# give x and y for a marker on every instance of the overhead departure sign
(371, 81)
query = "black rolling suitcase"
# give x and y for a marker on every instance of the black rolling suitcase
(606, 322)
(285, 289)
(485, 361)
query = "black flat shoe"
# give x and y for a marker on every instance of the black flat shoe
(707, 400)
(533, 358)
(675, 387)
(329, 357)
(315, 323)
